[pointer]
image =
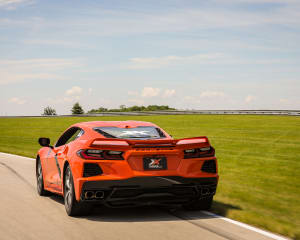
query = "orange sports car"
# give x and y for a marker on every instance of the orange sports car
(126, 163)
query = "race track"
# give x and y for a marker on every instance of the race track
(25, 215)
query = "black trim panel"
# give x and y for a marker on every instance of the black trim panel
(149, 182)
(139, 191)
(57, 165)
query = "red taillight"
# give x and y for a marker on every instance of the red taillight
(199, 152)
(95, 154)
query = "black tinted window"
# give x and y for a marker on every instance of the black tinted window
(131, 133)
(69, 136)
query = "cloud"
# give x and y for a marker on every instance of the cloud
(12, 4)
(150, 92)
(189, 98)
(14, 71)
(136, 101)
(45, 63)
(133, 93)
(183, 19)
(74, 91)
(210, 94)
(9, 78)
(169, 93)
(158, 62)
(71, 99)
(53, 42)
(208, 100)
(284, 101)
(17, 100)
(250, 98)
(71, 95)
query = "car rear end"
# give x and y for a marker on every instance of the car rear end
(127, 172)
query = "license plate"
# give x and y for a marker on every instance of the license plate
(155, 163)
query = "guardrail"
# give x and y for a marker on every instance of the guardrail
(180, 112)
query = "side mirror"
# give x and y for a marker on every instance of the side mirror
(44, 142)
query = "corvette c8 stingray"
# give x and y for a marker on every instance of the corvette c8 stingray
(126, 163)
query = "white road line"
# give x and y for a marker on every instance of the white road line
(244, 225)
(263, 232)
(12, 155)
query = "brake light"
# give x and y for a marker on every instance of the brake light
(192, 141)
(95, 154)
(199, 152)
(110, 143)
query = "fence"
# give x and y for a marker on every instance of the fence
(181, 112)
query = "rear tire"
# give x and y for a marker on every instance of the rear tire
(201, 204)
(72, 206)
(40, 180)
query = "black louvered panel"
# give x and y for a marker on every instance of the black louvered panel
(209, 166)
(92, 169)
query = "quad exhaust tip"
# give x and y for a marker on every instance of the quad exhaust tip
(88, 195)
(99, 194)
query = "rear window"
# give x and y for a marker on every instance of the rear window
(131, 133)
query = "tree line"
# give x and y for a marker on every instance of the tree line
(77, 109)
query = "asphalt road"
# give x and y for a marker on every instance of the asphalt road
(25, 215)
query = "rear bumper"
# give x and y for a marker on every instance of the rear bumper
(156, 190)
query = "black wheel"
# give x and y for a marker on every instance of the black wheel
(40, 180)
(201, 204)
(72, 206)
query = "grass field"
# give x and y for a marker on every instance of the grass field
(259, 160)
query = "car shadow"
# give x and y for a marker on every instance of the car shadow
(151, 213)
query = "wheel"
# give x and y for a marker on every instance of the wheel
(201, 204)
(40, 180)
(72, 206)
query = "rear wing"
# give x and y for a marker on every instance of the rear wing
(183, 143)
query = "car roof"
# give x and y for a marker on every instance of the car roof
(120, 124)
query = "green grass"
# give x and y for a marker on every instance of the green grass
(259, 159)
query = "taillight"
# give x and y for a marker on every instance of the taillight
(95, 154)
(199, 152)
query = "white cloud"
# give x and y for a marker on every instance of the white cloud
(284, 100)
(13, 71)
(169, 93)
(189, 98)
(184, 19)
(133, 93)
(60, 100)
(90, 90)
(53, 42)
(17, 100)
(150, 92)
(158, 62)
(250, 98)
(210, 94)
(74, 91)
(9, 78)
(71, 95)
(12, 4)
(45, 63)
(71, 99)
(136, 101)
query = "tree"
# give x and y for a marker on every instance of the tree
(49, 111)
(77, 109)
(100, 109)
(123, 108)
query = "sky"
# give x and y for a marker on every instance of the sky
(188, 54)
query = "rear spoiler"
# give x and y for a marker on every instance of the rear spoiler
(159, 143)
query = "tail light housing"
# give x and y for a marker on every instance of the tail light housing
(96, 154)
(199, 152)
